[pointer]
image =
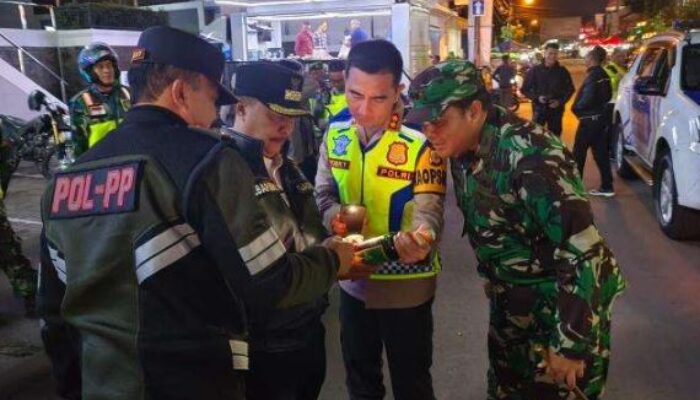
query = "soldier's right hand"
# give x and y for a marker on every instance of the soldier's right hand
(562, 369)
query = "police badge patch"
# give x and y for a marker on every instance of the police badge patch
(398, 153)
(340, 145)
(435, 159)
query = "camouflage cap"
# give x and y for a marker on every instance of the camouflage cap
(434, 89)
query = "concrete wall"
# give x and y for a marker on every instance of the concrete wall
(59, 52)
(14, 90)
(36, 17)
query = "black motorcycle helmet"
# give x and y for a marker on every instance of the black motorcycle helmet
(36, 99)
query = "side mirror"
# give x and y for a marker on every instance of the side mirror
(36, 99)
(648, 86)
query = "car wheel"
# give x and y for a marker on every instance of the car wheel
(622, 167)
(676, 221)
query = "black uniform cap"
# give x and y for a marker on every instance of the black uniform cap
(278, 87)
(165, 45)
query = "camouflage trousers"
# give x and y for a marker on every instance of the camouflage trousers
(16, 266)
(522, 319)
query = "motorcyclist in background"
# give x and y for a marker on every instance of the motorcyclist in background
(100, 107)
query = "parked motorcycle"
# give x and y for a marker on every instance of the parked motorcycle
(43, 140)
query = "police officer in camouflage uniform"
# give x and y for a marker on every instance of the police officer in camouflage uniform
(551, 277)
(99, 108)
(15, 265)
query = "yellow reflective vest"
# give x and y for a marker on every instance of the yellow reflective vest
(99, 128)
(615, 73)
(384, 177)
(338, 102)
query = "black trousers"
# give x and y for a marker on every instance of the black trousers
(407, 335)
(594, 134)
(549, 118)
(290, 375)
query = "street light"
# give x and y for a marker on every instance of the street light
(534, 22)
(529, 2)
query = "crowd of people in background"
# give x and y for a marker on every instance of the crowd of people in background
(310, 44)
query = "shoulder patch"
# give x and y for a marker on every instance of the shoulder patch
(431, 173)
(99, 191)
(340, 145)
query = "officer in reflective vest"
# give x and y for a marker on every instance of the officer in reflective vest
(336, 100)
(99, 108)
(616, 70)
(372, 160)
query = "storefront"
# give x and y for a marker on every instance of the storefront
(418, 28)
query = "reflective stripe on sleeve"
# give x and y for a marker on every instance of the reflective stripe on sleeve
(59, 264)
(164, 250)
(262, 251)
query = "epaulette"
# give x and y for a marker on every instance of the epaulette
(78, 95)
(410, 134)
(217, 134)
(341, 125)
(342, 115)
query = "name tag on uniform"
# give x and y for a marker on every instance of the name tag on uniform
(101, 191)
(265, 187)
(340, 164)
(392, 173)
(305, 187)
(97, 110)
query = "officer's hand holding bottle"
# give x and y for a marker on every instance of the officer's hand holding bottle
(413, 247)
(351, 265)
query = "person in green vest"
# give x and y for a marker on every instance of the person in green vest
(335, 100)
(100, 107)
(370, 159)
(616, 70)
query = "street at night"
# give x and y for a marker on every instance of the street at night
(363, 200)
(656, 322)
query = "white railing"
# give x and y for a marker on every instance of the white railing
(22, 53)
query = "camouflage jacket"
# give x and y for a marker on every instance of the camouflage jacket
(104, 107)
(529, 221)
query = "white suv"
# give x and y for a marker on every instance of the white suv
(657, 127)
